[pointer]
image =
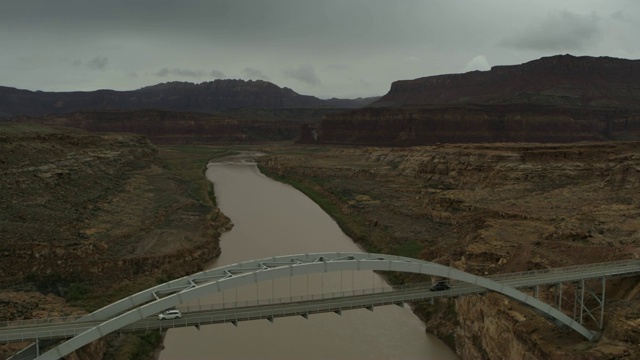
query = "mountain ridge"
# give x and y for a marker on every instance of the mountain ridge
(207, 97)
(560, 80)
(561, 98)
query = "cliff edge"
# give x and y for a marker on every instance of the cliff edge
(555, 99)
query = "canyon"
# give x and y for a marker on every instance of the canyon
(487, 209)
(521, 167)
(87, 219)
(560, 98)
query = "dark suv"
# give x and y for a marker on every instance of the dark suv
(440, 286)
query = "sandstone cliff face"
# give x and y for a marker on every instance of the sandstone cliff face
(78, 207)
(563, 81)
(554, 99)
(490, 209)
(89, 219)
(477, 124)
(173, 127)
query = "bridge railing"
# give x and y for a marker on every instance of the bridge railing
(40, 321)
(386, 297)
(300, 298)
(252, 313)
(621, 267)
(633, 264)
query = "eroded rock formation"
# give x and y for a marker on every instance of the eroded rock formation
(82, 205)
(489, 209)
(88, 217)
(555, 99)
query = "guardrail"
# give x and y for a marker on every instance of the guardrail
(42, 321)
(518, 280)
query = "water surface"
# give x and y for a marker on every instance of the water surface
(270, 219)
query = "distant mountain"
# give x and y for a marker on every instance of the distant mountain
(553, 99)
(208, 97)
(560, 81)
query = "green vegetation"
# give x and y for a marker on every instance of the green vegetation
(409, 248)
(189, 163)
(136, 347)
(92, 298)
(186, 165)
(349, 224)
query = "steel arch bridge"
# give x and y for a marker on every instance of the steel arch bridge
(156, 299)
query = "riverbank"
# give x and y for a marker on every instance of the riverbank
(272, 219)
(488, 209)
(482, 208)
(89, 219)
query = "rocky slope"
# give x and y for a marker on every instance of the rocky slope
(554, 99)
(92, 218)
(181, 127)
(208, 97)
(563, 81)
(489, 209)
(100, 229)
(473, 124)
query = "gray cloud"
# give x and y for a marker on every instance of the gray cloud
(98, 63)
(376, 40)
(304, 73)
(479, 62)
(217, 74)
(561, 31)
(255, 74)
(621, 16)
(164, 72)
(187, 73)
(337, 67)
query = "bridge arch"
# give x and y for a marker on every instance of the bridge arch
(154, 300)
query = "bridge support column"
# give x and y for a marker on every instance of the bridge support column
(559, 295)
(594, 298)
(602, 304)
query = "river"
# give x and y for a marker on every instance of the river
(271, 218)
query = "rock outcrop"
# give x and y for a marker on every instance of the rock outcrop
(487, 209)
(562, 81)
(178, 127)
(554, 99)
(473, 124)
(81, 207)
(87, 219)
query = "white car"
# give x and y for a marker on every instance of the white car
(170, 315)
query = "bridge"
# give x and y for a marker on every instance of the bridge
(138, 312)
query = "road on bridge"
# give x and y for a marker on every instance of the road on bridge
(66, 328)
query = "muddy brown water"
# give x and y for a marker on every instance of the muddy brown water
(270, 219)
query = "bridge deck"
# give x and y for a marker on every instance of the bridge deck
(60, 328)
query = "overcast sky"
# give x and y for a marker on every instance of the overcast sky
(326, 48)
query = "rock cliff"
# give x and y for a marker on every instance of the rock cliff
(92, 218)
(180, 127)
(489, 209)
(561, 81)
(555, 99)
(77, 206)
(473, 124)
